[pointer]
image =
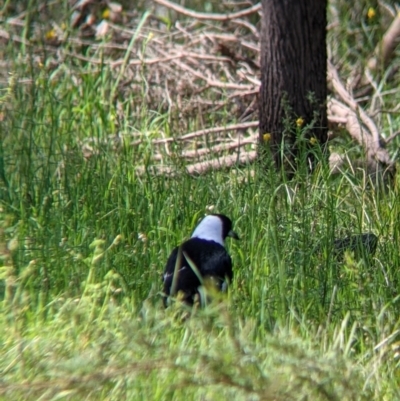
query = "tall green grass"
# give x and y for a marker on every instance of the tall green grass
(84, 237)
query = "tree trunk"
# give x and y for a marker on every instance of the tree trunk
(293, 75)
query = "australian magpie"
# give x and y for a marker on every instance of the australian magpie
(201, 258)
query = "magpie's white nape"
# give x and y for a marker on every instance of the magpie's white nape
(201, 258)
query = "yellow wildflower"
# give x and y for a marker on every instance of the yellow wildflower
(300, 122)
(50, 35)
(313, 140)
(106, 13)
(371, 13)
(267, 137)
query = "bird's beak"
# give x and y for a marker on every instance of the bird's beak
(232, 234)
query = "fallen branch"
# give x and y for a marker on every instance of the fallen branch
(253, 140)
(208, 16)
(204, 132)
(222, 162)
(203, 166)
(359, 125)
(333, 77)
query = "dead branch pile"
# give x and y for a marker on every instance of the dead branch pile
(199, 66)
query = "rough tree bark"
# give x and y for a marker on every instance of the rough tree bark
(293, 75)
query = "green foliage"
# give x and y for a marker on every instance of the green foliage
(84, 235)
(93, 348)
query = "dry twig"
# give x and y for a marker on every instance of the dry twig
(207, 16)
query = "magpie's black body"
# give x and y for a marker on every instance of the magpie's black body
(207, 253)
(363, 245)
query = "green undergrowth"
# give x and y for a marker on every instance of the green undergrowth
(95, 348)
(87, 224)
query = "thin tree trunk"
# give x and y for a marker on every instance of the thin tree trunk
(293, 74)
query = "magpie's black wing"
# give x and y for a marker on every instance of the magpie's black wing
(210, 259)
(187, 281)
